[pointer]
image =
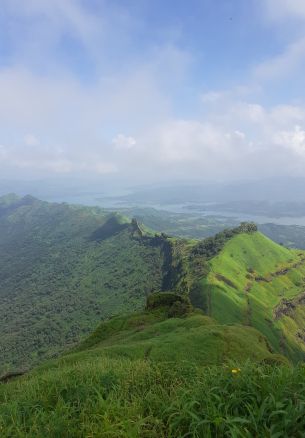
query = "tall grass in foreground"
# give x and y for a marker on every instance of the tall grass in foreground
(121, 398)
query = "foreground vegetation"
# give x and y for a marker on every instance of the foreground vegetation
(104, 397)
(153, 374)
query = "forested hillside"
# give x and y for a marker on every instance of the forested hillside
(64, 268)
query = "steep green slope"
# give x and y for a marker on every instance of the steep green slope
(255, 282)
(64, 268)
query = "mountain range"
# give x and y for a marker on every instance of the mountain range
(109, 328)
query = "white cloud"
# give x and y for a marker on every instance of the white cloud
(283, 64)
(31, 140)
(240, 139)
(122, 142)
(2, 152)
(293, 140)
(104, 168)
(44, 22)
(55, 160)
(283, 9)
(53, 121)
(212, 96)
(71, 120)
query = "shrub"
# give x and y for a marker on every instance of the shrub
(166, 299)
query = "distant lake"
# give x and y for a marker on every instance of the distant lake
(185, 208)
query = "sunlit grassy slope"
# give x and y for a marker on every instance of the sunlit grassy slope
(197, 338)
(146, 375)
(255, 282)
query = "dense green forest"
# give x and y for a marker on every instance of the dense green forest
(64, 268)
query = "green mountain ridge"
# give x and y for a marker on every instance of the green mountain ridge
(211, 354)
(64, 268)
(251, 282)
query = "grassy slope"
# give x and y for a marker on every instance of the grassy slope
(248, 279)
(146, 376)
(104, 397)
(150, 335)
(62, 270)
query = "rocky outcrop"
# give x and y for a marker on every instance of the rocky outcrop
(286, 307)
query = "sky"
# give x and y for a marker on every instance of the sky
(143, 91)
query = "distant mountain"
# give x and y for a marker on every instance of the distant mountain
(191, 225)
(272, 190)
(90, 190)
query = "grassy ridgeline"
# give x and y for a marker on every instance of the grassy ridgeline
(255, 282)
(148, 375)
(104, 397)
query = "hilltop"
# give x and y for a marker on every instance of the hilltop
(174, 333)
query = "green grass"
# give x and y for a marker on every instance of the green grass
(147, 375)
(247, 280)
(106, 397)
(151, 335)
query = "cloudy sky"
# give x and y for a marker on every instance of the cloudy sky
(145, 90)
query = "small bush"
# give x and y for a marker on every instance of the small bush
(164, 299)
(179, 309)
